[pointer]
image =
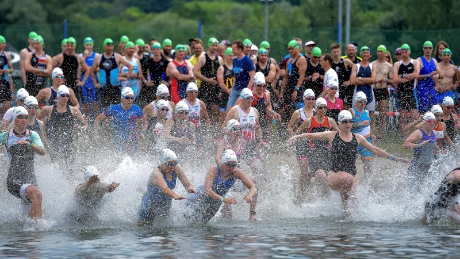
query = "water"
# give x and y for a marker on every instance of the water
(384, 222)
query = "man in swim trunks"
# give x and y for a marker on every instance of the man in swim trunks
(445, 80)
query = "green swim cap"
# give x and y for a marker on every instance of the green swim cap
(72, 40)
(107, 41)
(427, 44)
(2, 39)
(124, 39)
(88, 40)
(316, 52)
(129, 44)
(140, 42)
(228, 51)
(293, 44)
(364, 48)
(263, 51)
(156, 45)
(181, 47)
(167, 42)
(63, 42)
(264, 44)
(446, 51)
(247, 42)
(382, 48)
(32, 35)
(212, 41)
(405, 47)
(40, 39)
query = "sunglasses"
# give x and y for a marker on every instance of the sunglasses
(260, 85)
(361, 101)
(109, 44)
(128, 98)
(334, 88)
(249, 98)
(346, 121)
(322, 107)
(387, 57)
(65, 95)
(164, 109)
(231, 165)
(172, 164)
(22, 100)
(235, 129)
(182, 112)
(427, 48)
(291, 48)
(267, 48)
(59, 77)
(430, 121)
(22, 117)
(32, 107)
(193, 92)
(310, 98)
(164, 97)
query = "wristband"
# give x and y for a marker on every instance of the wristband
(222, 198)
(393, 158)
(386, 80)
(359, 124)
(309, 78)
(31, 144)
(145, 81)
(296, 88)
(418, 145)
(43, 70)
(143, 132)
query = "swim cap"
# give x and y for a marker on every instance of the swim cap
(62, 89)
(360, 96)
(124, 39)
(161, 103)
(398, 51)
(448, 101)
(129, 44)
(364, 48)
(2, 39)
(293, 44)
(245, 93)
(264, 44)
(229, 156)
(259, 79)
(56, 71)
(382, 48)
(316, 52)
(436, 109)
(228, 51)
(254, 47)
(32, 35)
(232, 123)
(247, 42)
(333, 82)
(19, 110)
(320, 102)
(308, 93)
(405, 47)
(427, 44)
(72, 40)
(212, 41)
(263, 51)
(63, 42)
(22, 94)
(429, 116)
(180, 47)
(38, 39)
(140, 42)
(162, 89)
(88, 40)
(345, 115)
(30, 100)
(191, 87)
(89, 171)
(181, 106)
(168, 155)
(156, 45)
(127, 91)
(107, 41)
(446, 51)
(167, 42)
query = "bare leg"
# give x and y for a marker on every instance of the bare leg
(321, 182)
(304, 179)
(35, 196)
(86, 109)
(96, 108)
(403, 122)
(383, 108)
(342, 182)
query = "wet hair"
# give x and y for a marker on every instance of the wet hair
(335, 46)
(239, 44)
(328, 57)
(441, 42)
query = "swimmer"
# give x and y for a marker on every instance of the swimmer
(21, 95)
(153, 129)
(445, 80)
(49, 95)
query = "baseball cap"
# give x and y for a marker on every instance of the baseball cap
(254, 47)
(226, 42)
(310, 42)
(398, 51)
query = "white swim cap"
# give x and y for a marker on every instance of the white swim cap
(181, 106)
(360, 96)
(259, 78)
(308, 93)
(232, 123)
(19, 110)
(448, 101)
(89, 171)
(245, 93)
(162, 89)
(345, 115)
(168, 155)
(192, 87)
(321, 102)
(21, 94)
(56, 71)
(161, 103)
(429, 116)
(333, 82)
(436, 109)
(254, 47)
(30, 100)
(127, 91)
(228, 156)
(63, 90)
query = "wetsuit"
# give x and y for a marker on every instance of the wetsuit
(421, 163)
(346, 92)
(364, 131)
(205, 207)
(406, 90)
(209, 94)
(111, 91)
(156, 71)
(343, 154)
(5, 89)
(426, 93)
(320, 150)
(155, 204)
(35, 83)
(178, 87)
(59, 130)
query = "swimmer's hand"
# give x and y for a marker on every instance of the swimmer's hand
(179, 197)
(93, 179)
(424, 143)
(23, 142)
(230, 201)
(98, 85)
(185, 141)
(248, 198)
(112, 187)
(292, 140)
(191, 190)
(404, 160)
